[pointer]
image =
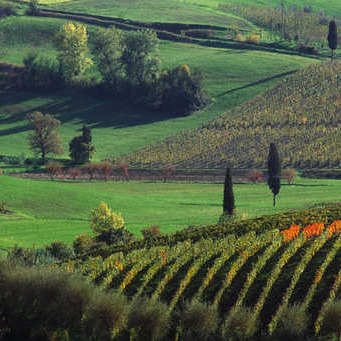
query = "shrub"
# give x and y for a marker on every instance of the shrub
(123, 169)
(53, 169)
(15, 160)
(289, 175)
(307, 49)
(152, 232)
(4, 208)
(292, 324)
(42, 72)
(239, 37)
(29, 256)
(82, 243)
(36, 303)
(75, 173)
(106, 169)
(115, 236)
(182, 91)
(255, 176)
(148, 319)
(91, 169)
(167, 171)
(252, 38)
(106, 315)
(240, 323)
(59, 250)
(199, 321)
(7, 9)
(203, 34)
(80, 147)
(332, 319)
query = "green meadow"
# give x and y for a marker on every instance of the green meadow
(44, 211)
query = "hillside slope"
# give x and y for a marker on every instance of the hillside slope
(301, 115)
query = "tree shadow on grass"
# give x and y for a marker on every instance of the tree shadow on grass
(71, 106)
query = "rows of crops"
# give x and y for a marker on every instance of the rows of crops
(301, 115)
(265, 272)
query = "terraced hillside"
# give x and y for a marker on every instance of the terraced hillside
(267, 272)
(300, 115)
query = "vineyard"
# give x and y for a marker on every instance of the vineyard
(266, 272)
(301, 115)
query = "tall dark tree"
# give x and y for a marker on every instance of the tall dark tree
(228, 205)
(80, 147)
(274, 170)
(332, 37)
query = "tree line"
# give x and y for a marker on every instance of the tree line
(129, 65)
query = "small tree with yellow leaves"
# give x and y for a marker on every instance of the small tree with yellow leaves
(72, 42)
(108, 226)
(103, 219)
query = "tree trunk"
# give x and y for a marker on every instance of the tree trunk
(274, 201)
(332, 56)
(43, 156)
(282, 4)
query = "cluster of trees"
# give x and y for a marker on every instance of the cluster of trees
(44, 139)
(129, 64)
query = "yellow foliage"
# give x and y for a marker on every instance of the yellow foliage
(103, 219)
(186, 69)
(239, 37)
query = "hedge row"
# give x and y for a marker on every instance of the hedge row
(261, 224)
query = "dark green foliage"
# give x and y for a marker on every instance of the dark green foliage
(148, 320)
(293, 324)
(7, 9)
(80, 147)
(274, 170)
(199, 321)
(33, 8)
(332, 319)
(332, 37)
(228, 205)
(41, 73)
(29, 256)
(240, 324)
(105, 315)
(274, 162)
(182, 90)
(59, 250)
(152, 232)
(4, 208)
(115, 236)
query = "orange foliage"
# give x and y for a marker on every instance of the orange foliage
(313, 230)
(334, 228)
(291, 233)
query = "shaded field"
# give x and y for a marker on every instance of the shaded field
(44, 210)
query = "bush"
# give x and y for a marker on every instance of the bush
(255, 176)
(59, 250)
(292, 324)
(240, 324)
(82, 243)
(167, 171)
(4, 208)
(203, 34)
(252, 38)
(75, 173)
(289, 175)
(106, 315)
(307, 49)
(332, 319)
(41, 72)
(7, 9)
(54, 169)
(29, 256)
(199, 321)
(148, 319)
(34, 304)
(182, 91)
(152, 232)
(106, 169)
(123, 169)
(91, 169)
(115, 236)
(14, 160)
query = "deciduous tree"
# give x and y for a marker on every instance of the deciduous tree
(80, 147)
(44, 138)
(72, 42)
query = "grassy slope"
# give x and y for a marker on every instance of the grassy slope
(231, 78)
(46, 211)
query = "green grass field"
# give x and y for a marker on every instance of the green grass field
(46, 211)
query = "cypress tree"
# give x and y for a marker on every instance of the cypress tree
(228, 205)
(332, 37)
(274, 169)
